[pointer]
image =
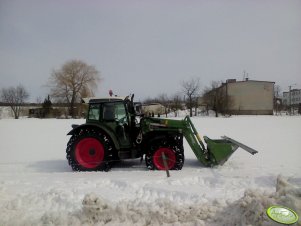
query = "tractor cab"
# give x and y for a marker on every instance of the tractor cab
(117, 115)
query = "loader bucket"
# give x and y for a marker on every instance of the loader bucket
(219, 150)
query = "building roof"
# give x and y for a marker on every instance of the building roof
(250, 81)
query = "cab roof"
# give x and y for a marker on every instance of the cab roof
(91, 100)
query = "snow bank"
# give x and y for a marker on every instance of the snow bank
(96, 210)
(251, 208)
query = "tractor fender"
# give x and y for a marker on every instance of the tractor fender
(77, 128)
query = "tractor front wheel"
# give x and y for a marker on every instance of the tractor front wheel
(168, 149)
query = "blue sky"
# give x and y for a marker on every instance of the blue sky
(150, 47)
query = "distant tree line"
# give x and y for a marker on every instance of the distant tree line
(75, 80)
(68, 85)
(191, 96)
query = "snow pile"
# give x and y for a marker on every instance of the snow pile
(249, 210)
(143, 213)
(98, 211)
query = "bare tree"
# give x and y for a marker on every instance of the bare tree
(277, 91)
(277, 99)
(164, 100)
(15, 97)
(211, 96)
(191, 90)
(217, 99)
(176, 103)
(150, 100)
(73, 81)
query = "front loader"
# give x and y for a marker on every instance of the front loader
(112, 132)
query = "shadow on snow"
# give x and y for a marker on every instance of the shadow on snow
(61, 166)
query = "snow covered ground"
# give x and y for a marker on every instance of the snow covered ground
(37, 187)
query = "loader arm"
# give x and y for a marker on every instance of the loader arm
(215, 152)
(184, 127)
(195, 142)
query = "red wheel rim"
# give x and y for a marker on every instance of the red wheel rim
(170, 158)
(89, 152)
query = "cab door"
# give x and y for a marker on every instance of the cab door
(114, 115)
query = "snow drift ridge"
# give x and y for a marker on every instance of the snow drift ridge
(249, 210)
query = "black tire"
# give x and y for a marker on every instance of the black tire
(99, 155)
(171, 146)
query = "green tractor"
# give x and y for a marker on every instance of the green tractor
(115, 129)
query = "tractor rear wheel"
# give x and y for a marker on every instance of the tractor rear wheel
(89, 150)
(171, 148)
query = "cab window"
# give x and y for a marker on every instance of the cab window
(93, 112)
(120, 112)
(114, 112)
(108, 112)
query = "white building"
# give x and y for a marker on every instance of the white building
(251, 97)
(153, 108)
(295, 96)
(247, 97)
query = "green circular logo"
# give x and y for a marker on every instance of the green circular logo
(282, 215)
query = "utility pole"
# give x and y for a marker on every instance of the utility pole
(245, 76)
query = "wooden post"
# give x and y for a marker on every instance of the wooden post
(165, 164)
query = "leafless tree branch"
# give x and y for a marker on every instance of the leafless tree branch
(73, 81)
(15, 97)
(191, 89)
